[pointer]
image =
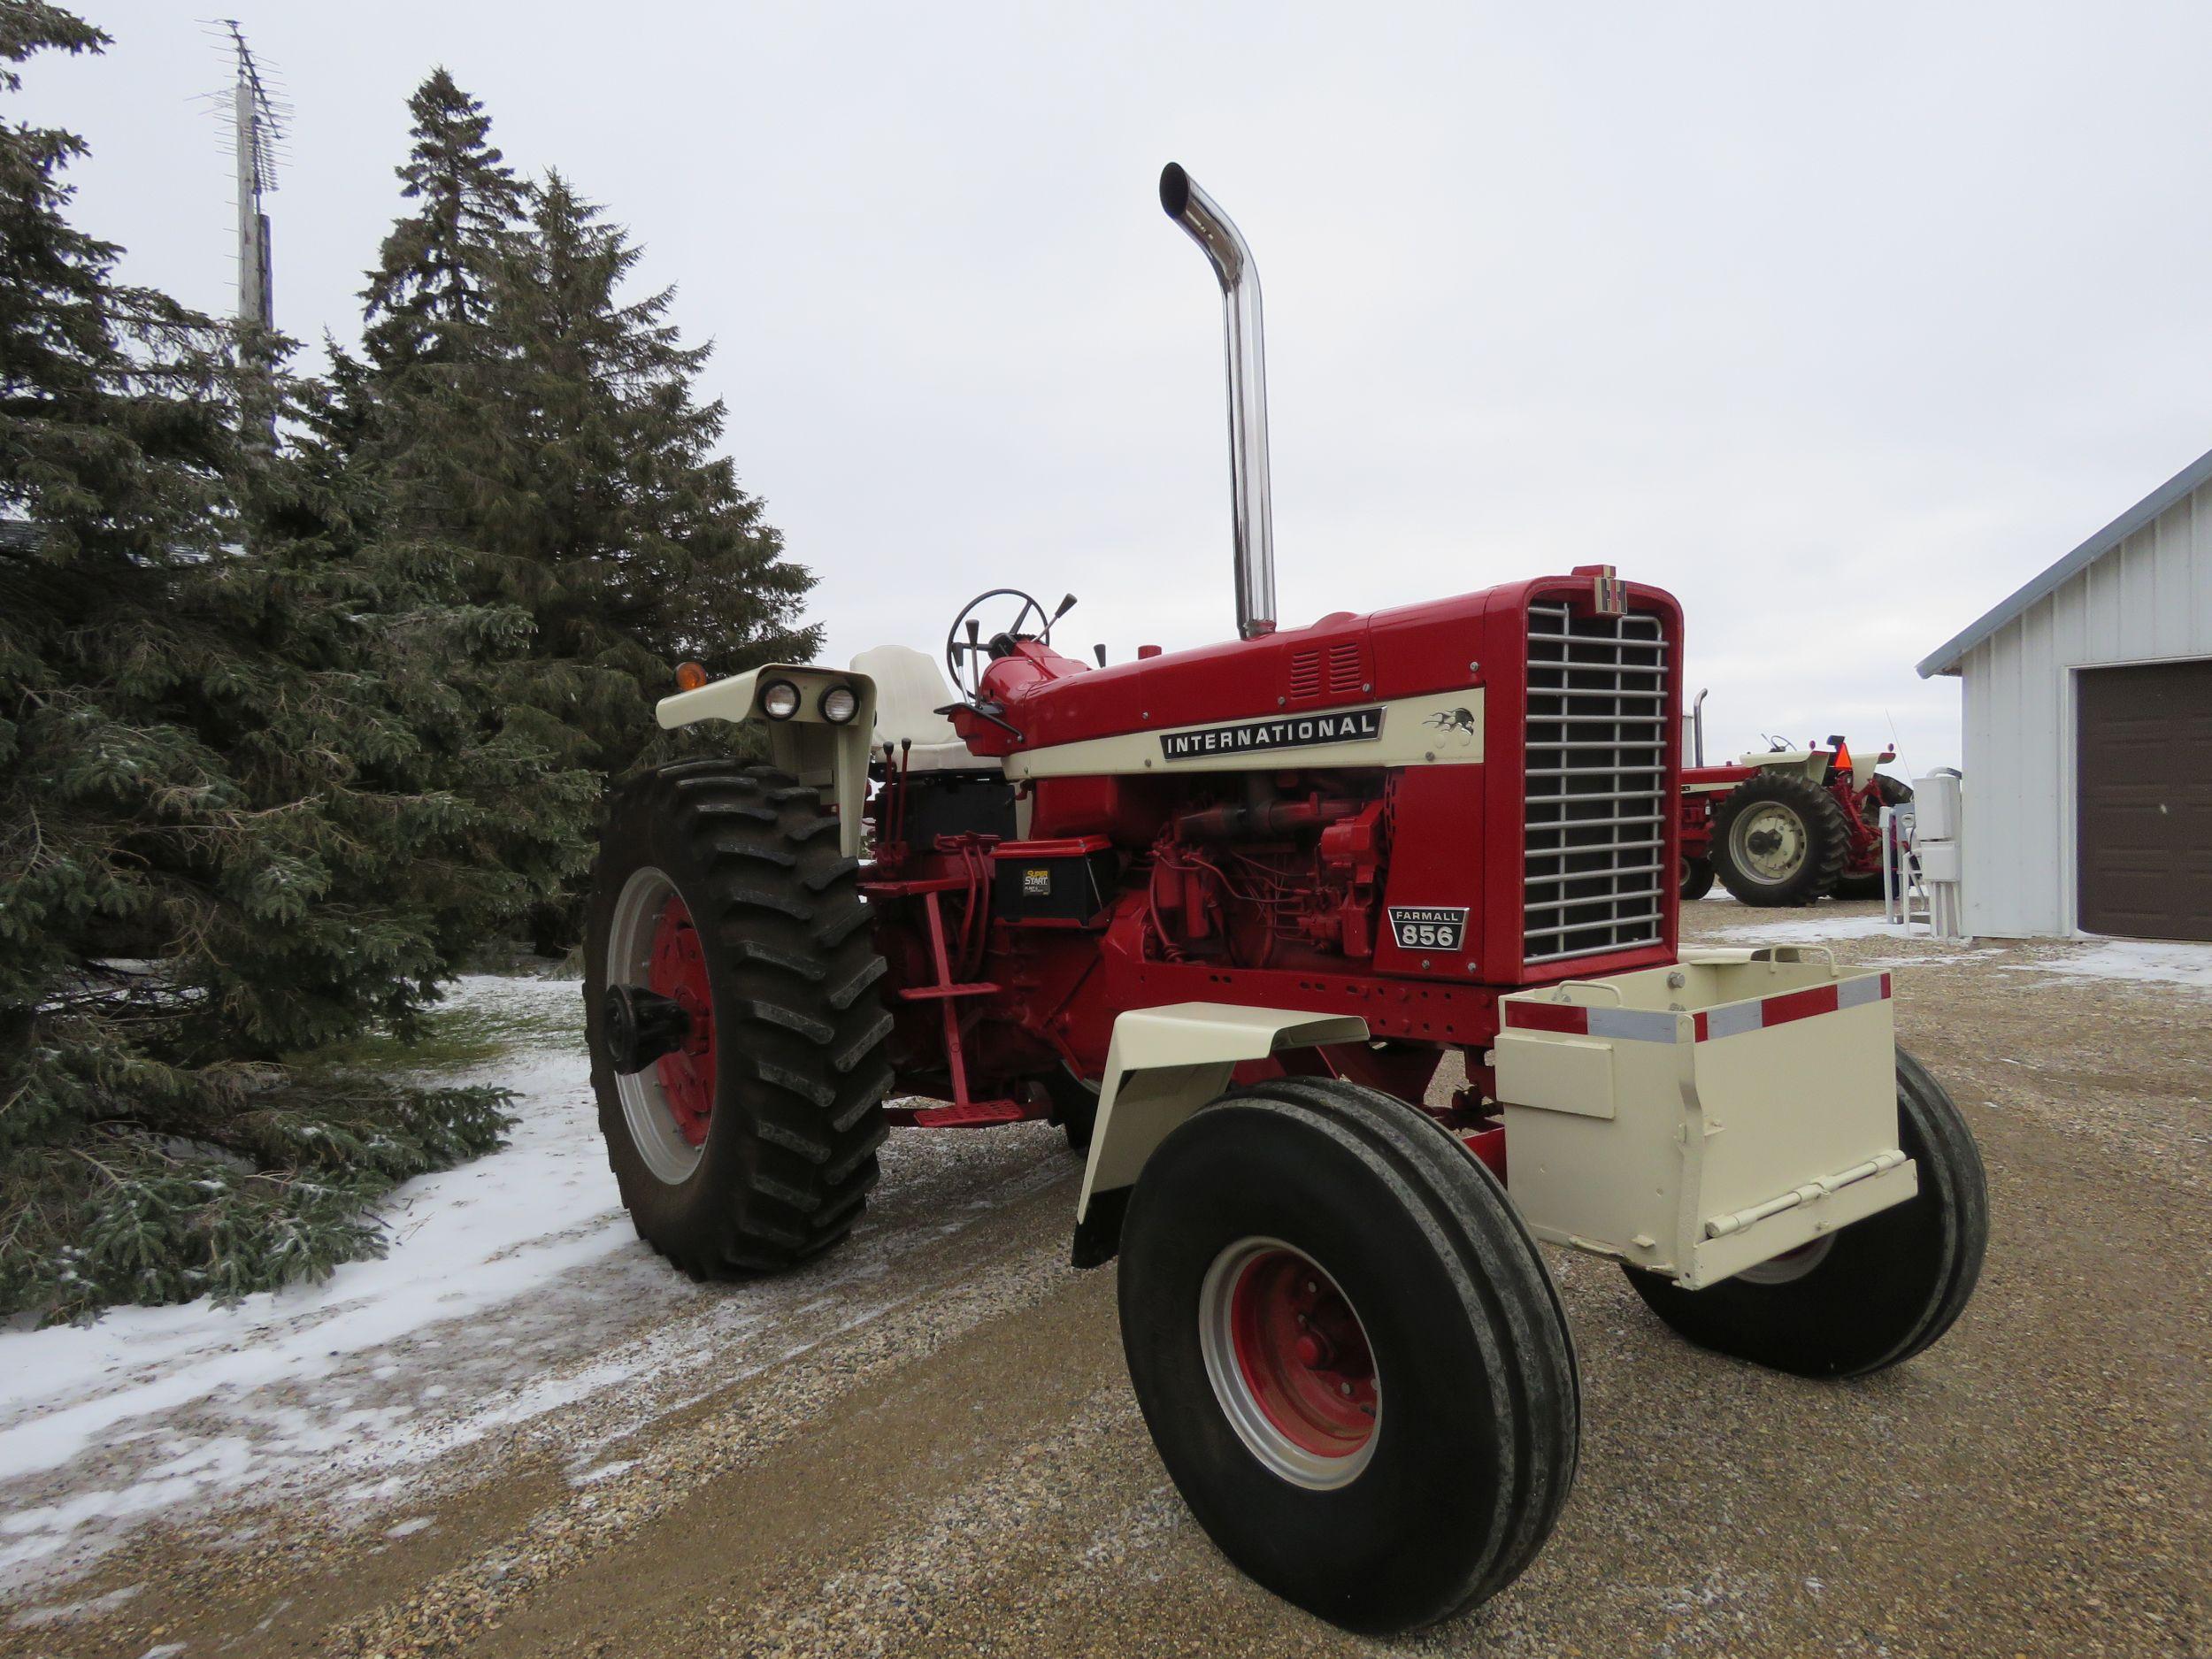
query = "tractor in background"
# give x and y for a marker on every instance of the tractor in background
(1784, 827)
(1348, 955)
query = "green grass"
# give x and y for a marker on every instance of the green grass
(453, 1038)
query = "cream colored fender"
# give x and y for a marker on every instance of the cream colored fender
(809, 748)
(1803, 761)
(1162, 1065)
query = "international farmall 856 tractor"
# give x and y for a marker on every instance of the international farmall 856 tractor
(1347, 953)
(1785, 826)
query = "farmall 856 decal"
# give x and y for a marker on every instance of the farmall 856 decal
(1428, 927)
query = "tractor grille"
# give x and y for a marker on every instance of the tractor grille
(1596, 760)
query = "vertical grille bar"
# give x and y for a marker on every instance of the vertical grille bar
(1595, 784)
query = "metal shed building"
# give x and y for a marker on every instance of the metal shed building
(2088, 734)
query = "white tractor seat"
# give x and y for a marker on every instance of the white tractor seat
(909, 690)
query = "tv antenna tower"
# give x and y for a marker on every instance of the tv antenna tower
(258, 115)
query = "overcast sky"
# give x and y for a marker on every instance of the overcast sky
(1838, 322)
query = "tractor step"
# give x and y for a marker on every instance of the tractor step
(975, 1114)
(925, 993)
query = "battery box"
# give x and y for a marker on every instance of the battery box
(1063, 883)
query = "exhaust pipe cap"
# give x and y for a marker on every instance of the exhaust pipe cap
(1174, 189)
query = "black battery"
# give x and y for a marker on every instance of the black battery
(1064, 886)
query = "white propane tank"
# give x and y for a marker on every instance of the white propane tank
(1937, 820)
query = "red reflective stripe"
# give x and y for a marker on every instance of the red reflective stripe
(1775, 1010)
(1779, 1010)
(1548, 1017)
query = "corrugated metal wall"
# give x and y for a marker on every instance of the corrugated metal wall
(2149, 598)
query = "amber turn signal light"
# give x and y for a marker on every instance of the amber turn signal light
(690, 676)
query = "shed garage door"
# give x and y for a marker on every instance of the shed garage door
(2145, 770)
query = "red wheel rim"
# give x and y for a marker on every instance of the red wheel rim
(1302, 1355)
(679, 969)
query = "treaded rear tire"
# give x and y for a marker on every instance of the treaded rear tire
(1827, 840)
(1887, 1287)
(799, 1066)
(1479, 1405)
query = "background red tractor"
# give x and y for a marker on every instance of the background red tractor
(1348, 951)
(1787, 826)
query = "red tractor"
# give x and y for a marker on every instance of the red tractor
(1346, 954)
(1787, 826)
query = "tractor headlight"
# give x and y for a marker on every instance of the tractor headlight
(840, 704)
(779, 700)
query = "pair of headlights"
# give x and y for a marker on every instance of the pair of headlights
(779, 700)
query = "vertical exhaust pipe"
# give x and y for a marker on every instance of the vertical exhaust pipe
(1252, 513)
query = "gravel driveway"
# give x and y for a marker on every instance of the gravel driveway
(927, 1444)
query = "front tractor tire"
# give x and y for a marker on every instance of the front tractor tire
(1779, 839)
(1349, 1353)
(1869, 1295)
(1697, 878)
(736, 1031)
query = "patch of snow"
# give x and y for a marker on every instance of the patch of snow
(515, 1287)
(464, 1240)
(2139, 961)
(409, 1527)
(1810, 926)
(1934, 958)
(91, 1607)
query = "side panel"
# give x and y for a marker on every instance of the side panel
(1436, 887)
(1443, 729)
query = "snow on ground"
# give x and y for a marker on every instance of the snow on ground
(462, 1242)
(2138, 961)
(1810, 926)
(514, 1291)
(2142, 961)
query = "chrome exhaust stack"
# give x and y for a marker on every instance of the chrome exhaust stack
(1253, 516)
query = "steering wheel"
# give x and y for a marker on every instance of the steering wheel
(977, 649)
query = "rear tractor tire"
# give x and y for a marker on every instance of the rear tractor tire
(1779, 839)
(1349, 1353)
(1869, 1295)
(736, 1031)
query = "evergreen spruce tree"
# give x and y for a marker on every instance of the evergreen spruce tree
(426, 427)
(428, 298)
(537, 440)
(423, 426)
(240, 813)
(637, 547)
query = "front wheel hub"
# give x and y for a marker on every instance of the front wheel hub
(642, 1026)
(1769, 843)
(1289, 1362)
